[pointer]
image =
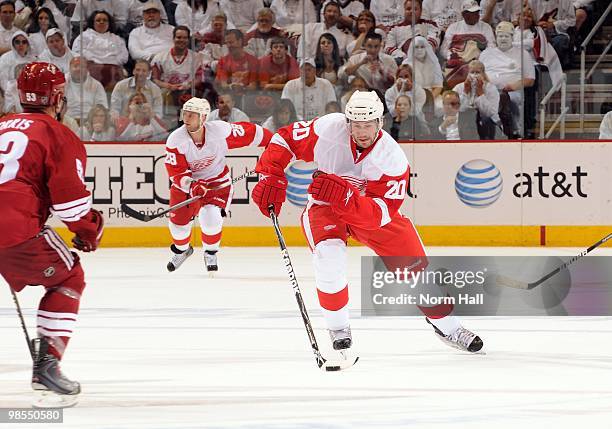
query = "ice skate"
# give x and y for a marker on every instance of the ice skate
(178, 257)
(210, 259)
(462, 339)
(54, 388)
(341, 338)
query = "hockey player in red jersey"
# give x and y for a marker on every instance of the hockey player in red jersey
(42, 167)
(360, 185)
(195, 160)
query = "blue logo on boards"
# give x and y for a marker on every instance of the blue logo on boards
(299, 177)
(478, 183)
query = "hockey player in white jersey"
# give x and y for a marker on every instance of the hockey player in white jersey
(360, 185)
(196, 165)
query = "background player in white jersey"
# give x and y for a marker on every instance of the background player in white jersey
(195, 160)
(362, 180)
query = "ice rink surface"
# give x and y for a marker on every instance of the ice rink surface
(160, 350)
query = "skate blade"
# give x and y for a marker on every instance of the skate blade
(333, 365)
(212, 274)
(461, 349)
(48, 399)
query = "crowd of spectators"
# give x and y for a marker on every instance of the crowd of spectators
(446, 69)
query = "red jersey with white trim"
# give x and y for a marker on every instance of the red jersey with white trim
(186, 160)
(380, 172)
(42, 167)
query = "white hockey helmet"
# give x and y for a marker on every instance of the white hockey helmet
(364, 106)
(196, 105)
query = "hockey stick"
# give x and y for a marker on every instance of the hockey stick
(322, 363)
(149, 217)
(517, 284)
(23, 325)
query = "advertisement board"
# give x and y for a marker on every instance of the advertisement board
(488, 193)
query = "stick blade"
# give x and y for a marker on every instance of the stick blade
(134, 213)
(510, 282)
(335, 365)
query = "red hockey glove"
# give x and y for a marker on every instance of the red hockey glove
(88, 230)
(198, 188)
(270, 190)
(331, 189)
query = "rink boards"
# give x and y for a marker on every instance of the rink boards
(480, 194)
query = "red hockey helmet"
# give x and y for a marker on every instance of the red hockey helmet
(37, 84)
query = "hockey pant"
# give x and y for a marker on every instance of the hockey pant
(397, 243)
(209, 209)
(46, 260)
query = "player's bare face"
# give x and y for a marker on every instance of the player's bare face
(191, 121)
(364, 133)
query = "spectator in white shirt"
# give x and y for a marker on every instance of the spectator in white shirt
(290, 12)
(310, 96)
(328, 59)
(173, 69)
(11, 64)
(226, 111)
(464, 41)
(425, 66)
(57, 52)
(442, 12)
(258, 40)
(98, 126)
(556, 18)
(105, 51)
(200, 19)
(136, 12)
(212, 45)
(373, 66)
(243, 13)
(140, 122)
(400, 37)
(152, 37)
(480, 94)
(40, 23)
(510, 69)
(495, 11)
(307, 44)
(469, 28)
(387, 12)
(82, 91)
(118, 9)
(405, 85)
(349, 9)
(7, 29)
(139, 82)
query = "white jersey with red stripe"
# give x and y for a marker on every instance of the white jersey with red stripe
(380, 172)
(187, 161)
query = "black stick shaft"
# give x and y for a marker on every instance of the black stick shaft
(570, 262)
(296, 288)
(23, 325)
